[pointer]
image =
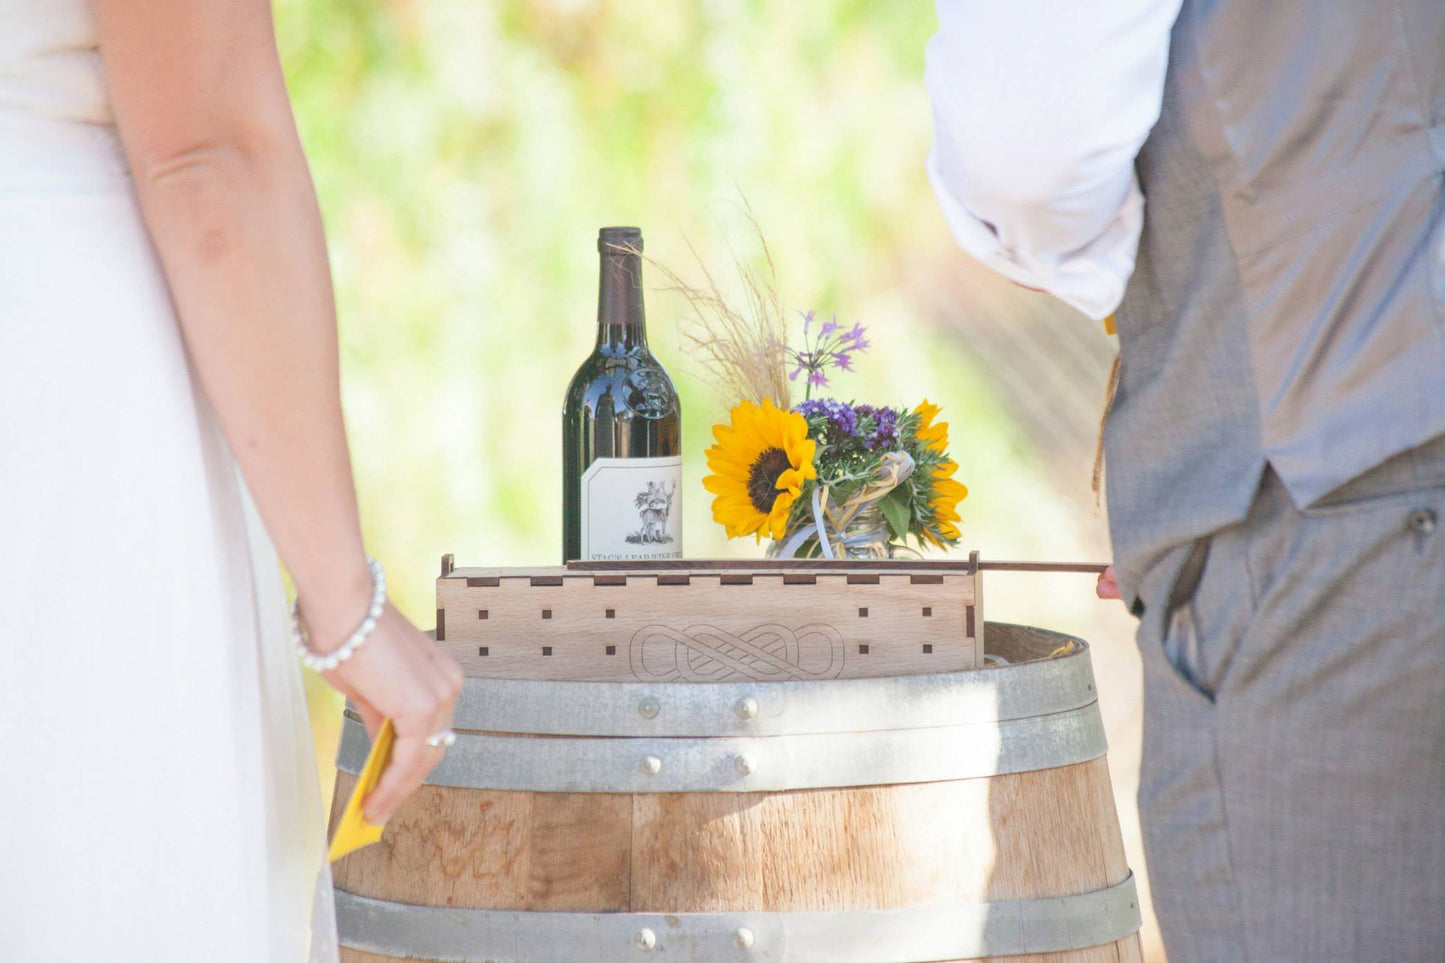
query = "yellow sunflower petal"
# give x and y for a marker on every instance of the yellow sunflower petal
(790, 481)
(798, 446)
(807, 451)
(723, 463)
(731, 506)
(794, 426)
(778, 519)
(739, 419)
(727, 436)
(739, 523)
(948, 489)
(723, 485)
(761, 427)
(935, 437)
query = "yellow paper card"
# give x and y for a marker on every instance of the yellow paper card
(353, 831)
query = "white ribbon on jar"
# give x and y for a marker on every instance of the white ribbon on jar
(895, 469)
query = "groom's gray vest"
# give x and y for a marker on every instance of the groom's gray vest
(1288, 307)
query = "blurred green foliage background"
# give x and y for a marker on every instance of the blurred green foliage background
(466, 153)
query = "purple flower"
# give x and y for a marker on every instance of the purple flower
(856, 336)
(831, 346)
(842, 420)
(885, 434)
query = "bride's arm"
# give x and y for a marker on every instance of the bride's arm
(203, 112)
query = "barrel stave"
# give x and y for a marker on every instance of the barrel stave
(492, 849)
(1056, 831)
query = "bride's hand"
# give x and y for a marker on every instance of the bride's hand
(401, 674)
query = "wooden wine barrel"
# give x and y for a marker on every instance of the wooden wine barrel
(938, 817)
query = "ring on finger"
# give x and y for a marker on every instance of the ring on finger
(442, 740)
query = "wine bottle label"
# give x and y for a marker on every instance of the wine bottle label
(632, 508)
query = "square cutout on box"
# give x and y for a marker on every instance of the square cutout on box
(611, 650)
(863, 648)
(928, 612)
(546, 650)
(484, 650)
(610, 613)
(546, 613)
(483, 614)
(862, 613)
(928, 648)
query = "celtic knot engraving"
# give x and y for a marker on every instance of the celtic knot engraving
(706, 653)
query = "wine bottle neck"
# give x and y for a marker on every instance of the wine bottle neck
(621, 320)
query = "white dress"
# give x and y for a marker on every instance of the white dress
(159, 800)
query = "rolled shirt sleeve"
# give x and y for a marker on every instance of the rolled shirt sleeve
(1039, 110)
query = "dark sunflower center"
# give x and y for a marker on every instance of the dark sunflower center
(763, 478)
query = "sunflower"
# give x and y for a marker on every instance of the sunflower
(759, 465)
(945, 492)
(933, 436)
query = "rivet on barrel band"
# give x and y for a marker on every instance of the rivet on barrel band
(909, 935)
(778, 763)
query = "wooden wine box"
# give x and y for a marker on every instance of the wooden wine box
(698, 620)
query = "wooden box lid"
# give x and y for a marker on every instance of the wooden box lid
(698, 620)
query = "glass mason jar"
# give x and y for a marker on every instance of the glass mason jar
(865, 536)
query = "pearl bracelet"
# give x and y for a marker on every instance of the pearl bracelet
(329, 661)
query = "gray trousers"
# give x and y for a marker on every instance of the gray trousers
(1292, 789)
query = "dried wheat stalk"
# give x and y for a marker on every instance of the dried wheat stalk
(741, 346)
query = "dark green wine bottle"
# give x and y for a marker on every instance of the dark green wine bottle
(621, 428)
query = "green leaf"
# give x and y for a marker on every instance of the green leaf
(897, 511)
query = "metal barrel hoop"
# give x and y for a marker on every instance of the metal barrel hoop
(766, 737)
(957, 931)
